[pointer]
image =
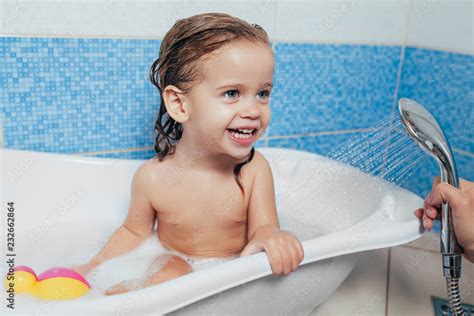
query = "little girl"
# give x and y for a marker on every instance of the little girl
(209, 191)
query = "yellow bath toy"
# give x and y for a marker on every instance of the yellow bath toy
(53, 284)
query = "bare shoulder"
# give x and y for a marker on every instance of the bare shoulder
(260, 160)
(258, 166)
(148, 174)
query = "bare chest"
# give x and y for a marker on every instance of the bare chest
(217, 206)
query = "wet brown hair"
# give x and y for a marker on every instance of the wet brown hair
(184, 46)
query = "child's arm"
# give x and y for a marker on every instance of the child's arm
(283, 248)
(137, 226)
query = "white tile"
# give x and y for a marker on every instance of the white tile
(416, 275)
(342, 21)
(442, 24)
(111, 18)
(364, 290)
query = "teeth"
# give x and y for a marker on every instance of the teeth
(245, 130)
(241, 135)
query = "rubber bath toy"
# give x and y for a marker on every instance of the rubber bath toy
(53, 284)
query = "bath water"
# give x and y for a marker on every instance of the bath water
(52, 250)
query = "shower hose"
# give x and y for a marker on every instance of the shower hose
(452, 272)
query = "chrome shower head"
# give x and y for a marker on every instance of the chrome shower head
(426, 132)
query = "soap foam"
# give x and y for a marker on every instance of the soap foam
(141, 263)
(49, 251)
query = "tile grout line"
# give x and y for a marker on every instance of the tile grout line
(441, 49)
(160, 38)
(82, 36)
(268, 127)
(463, 152)
(338, 132)
(395, 97)
(98, 152)
(420, 248)
(275, 4)
(394, 104)
(266, 138)
(397, 86)
(275, 8)
(387, 285)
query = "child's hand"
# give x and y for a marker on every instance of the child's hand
(284, 250)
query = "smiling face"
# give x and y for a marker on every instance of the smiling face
(230, 105)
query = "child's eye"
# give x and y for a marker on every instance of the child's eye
(264, 94)
(231, 93)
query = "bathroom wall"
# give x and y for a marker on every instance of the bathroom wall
(74, 80)
(74, 75)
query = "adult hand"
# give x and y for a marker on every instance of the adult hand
(462, 208)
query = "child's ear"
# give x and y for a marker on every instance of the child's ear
(176, 103)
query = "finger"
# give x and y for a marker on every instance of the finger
(295, 256)
(286, 255)
(430, 210)
(426, 203)
(275, 259)
(432, 213)
(419, 212)
(446, 193)
(298, 247)
(427, 222)
(427, 200)
(300, 250)
(296, 244)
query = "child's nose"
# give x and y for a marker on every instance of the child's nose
(251, 110)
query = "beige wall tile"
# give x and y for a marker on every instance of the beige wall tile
(364, 290)
(430, 241)
(415, 276)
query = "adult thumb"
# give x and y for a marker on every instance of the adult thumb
(446, 193)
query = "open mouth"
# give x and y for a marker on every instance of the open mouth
(242, 133)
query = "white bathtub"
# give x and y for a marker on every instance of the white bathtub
(67, 206)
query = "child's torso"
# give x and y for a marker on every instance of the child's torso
(202, 215)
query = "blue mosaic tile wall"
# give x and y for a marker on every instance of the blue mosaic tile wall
(321, 144)
(331, 87)
(86, 95)
(444, 83)
(77, 95)
(142, 154)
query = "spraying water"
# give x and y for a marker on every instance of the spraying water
(384, 151)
